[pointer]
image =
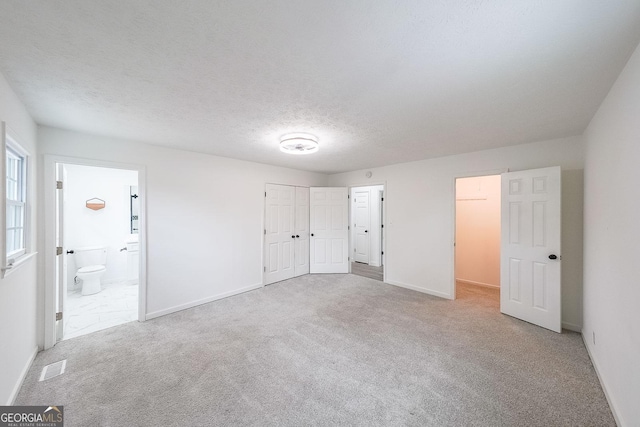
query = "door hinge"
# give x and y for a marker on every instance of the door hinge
(264, 269)
(265, 194)
(59, 315)
(265, 231)
(382, 225)
(382, 199)
(59, 250)
(348, 227)
(58, 185)
(382, 252)
(348, 197)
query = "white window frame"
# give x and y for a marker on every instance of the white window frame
(9, 143)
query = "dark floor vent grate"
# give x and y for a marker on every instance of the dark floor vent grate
(53, 370)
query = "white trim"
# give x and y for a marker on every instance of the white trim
(196, 303)
(10, 268)
(23, 375)
(612, 406)
(10, 140)
(49, 221)
(489, 172)
(473, 282)
(419, 289)
(384, 259)
(571, 327)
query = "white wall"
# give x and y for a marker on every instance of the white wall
(375, 229)
(611, 238)
(109, 227)
(477, 259)
(205, 215)
(18, 291)
(419, 226)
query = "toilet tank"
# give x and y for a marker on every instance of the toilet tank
(90, 255)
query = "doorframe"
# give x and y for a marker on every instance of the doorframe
(383, 234)
(489, 172)
(49, 250)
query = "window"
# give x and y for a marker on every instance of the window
(16, 202)
(15, 232)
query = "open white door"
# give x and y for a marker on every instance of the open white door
(329, 214)
(530, 247)
(279, 239)
(361, 225)
(61, 257)
(302, 232)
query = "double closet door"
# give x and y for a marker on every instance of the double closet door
(286, 232)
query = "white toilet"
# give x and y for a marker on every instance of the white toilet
(91, 262)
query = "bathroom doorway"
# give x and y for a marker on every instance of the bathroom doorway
(477, 240)
(367, 231)
(98, 216)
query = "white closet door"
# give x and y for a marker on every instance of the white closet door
(329, 214)
(279, 233)
(530, 248)
(302, 232)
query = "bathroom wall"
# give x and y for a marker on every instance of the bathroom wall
(107, 227)
(478, 230)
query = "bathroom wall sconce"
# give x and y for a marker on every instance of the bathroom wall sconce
(96, 204)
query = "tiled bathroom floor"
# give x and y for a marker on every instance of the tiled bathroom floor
(117, 303)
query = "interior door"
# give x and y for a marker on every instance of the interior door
(61, 257)
(361, 225)
(301, 257)
(530, 249)
(329, 217)
(279, 233)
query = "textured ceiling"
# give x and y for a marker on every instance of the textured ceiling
(379, 82)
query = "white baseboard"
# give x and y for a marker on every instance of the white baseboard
(473, 282)
(192, 304)
(612, 406)
(423, 290)
(571, 327)
(23, 374)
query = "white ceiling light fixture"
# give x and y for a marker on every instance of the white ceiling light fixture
(299, 143)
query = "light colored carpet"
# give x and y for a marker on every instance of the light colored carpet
(366, 270)
(326, 350)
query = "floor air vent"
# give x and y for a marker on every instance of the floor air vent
(53, 370)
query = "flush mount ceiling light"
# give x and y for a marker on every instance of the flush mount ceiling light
(299, 143)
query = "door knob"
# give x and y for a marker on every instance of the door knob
(297, 236)
(293, 237)
(311, 234)
(70, 252)
(366, 231)
(553, 256)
